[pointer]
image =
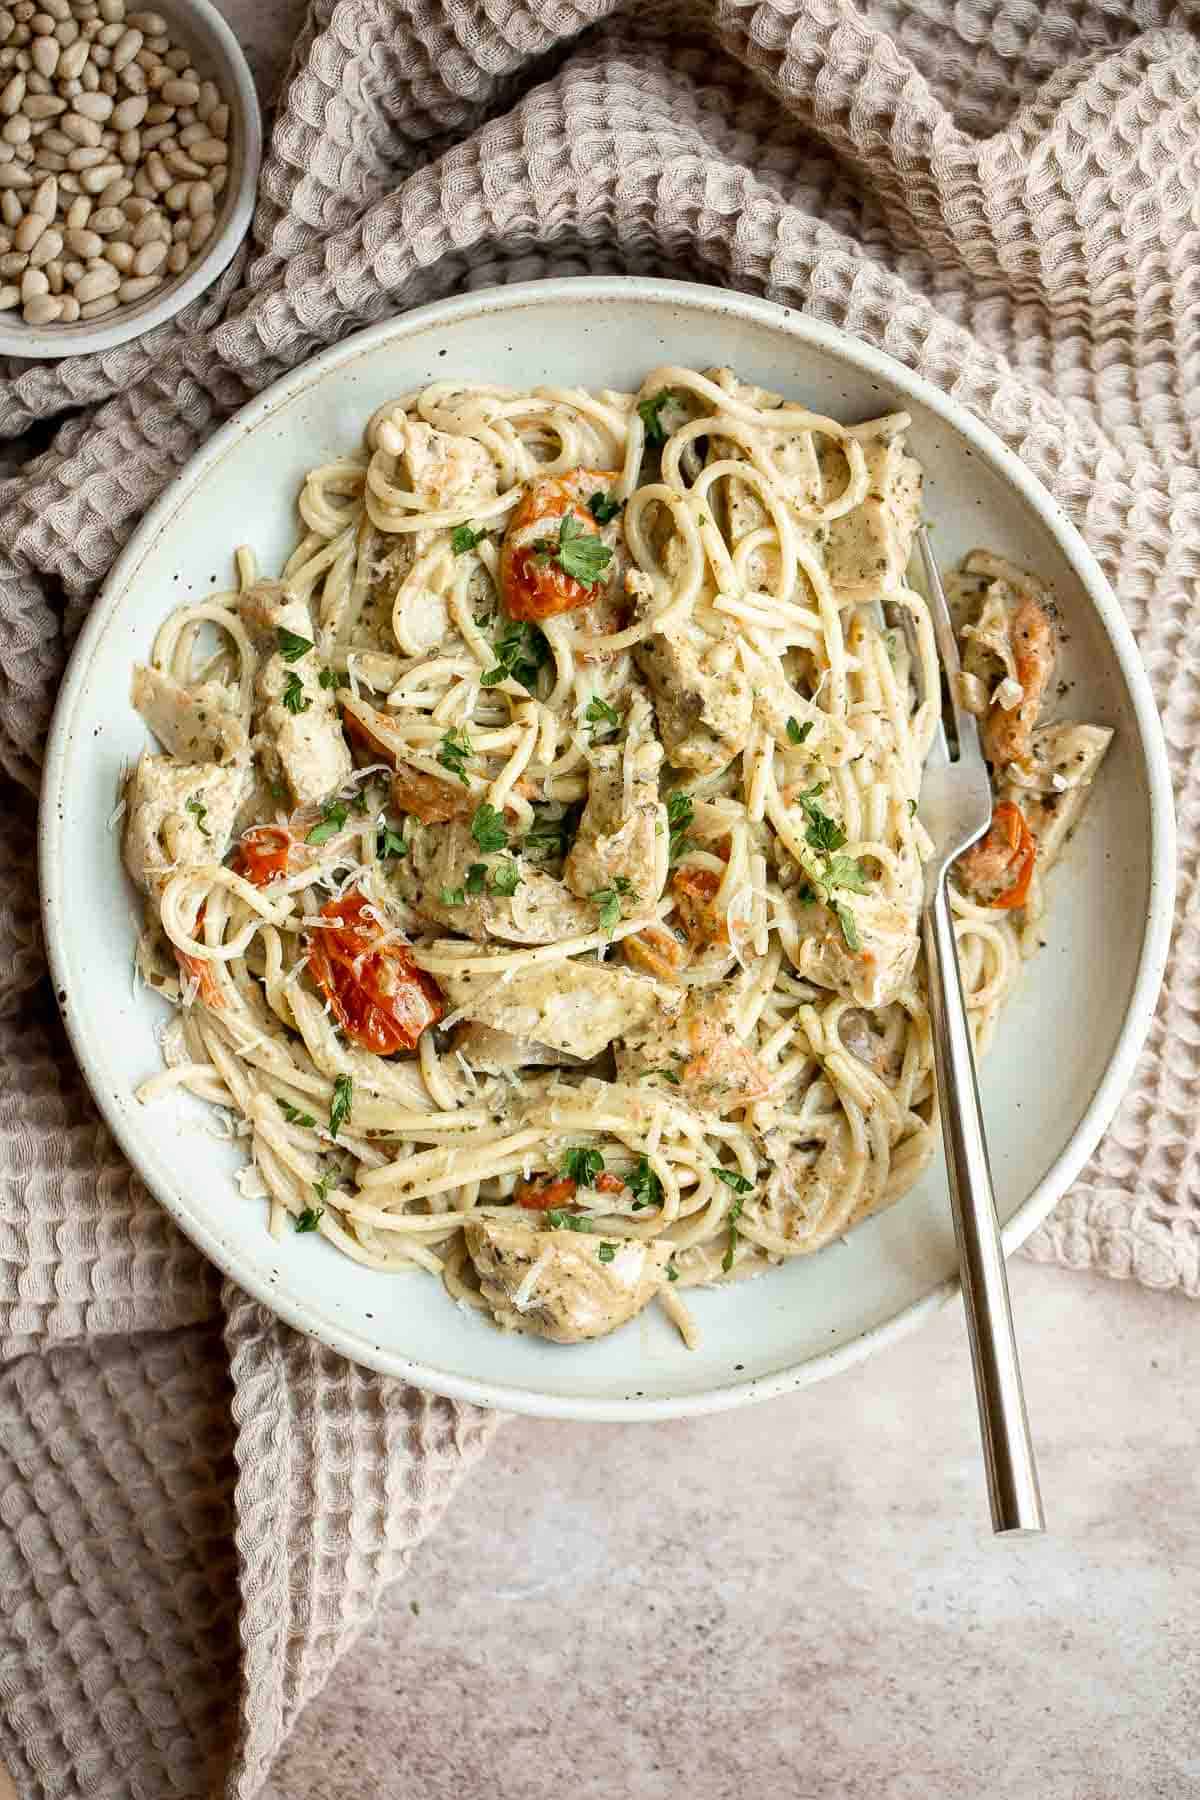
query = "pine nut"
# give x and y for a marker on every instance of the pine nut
(13, 262)
(177, 258)
(130, 112)
(200, 199)
(201, 231)
(79, 212)
(125, 49)
(33, 284)
(47, 249)
(210, 152)
(10, 296)
(15, 175)
(116, 191)
(95, 284)
(96, 309)
(42, 309)
(152, 23)
(43, 106)
(94, 181)
(107, 220)
(70, 309)
(45, 54)
(84, 243)
(149, 259)
(94, 106)
(28, 232)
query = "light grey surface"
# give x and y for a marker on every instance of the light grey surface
(803, 1600)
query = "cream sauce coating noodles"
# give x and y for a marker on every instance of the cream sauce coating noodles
(535, 860)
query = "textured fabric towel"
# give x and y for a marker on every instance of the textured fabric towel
(197, 1507)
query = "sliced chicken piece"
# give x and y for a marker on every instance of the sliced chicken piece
(178, 816)
(623, 832)
(579, 1007)
(701, 695)
(1052, 790)
(868, 548)
(497, 1052)
(564, 1285)
(440, 858)
(696, 1038)
(875, 973)
(197, 724)
(301, 741)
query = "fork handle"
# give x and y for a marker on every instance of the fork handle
(1008, 1450)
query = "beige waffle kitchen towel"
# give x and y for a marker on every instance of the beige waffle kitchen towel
(197, 1507)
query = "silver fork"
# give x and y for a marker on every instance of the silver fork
(956, 810)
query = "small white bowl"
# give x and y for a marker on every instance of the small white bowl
(198, 28)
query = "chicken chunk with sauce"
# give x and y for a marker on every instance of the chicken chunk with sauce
(558, 1284)
(701, 695)
(196, 724)
(178, 816)
(696, 1038)
(298, 734)
(576, 1006)
(623, 831)
(539, 910)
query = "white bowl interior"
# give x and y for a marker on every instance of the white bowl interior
(1060, 1058)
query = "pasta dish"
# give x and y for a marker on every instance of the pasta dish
(535, 865)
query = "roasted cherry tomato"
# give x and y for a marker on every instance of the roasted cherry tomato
(534, 583)
(381, 1000)
(263, 854)
(695, 892)
(1003, 860)
(200, 969)
(538, 1196)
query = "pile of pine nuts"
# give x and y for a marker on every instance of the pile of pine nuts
(113, 155)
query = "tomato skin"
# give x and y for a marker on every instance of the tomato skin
(538, 1196)
(380, 998)
(607, 1183)
(695, 890)
(1007, 852)
(201, 970)
(263, 854)
(536, 587)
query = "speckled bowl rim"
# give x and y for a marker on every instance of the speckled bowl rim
(520, 298)
(51, 343)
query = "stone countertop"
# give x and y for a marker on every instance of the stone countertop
(801, 1599)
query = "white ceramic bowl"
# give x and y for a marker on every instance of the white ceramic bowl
(1066, 1045)
(198, 27)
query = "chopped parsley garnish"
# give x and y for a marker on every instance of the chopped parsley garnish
(343, 1100)
(558, 1220)
(462, 539)
(598, 712)
(453, 752)
(476, 878)
(650, 413)
(452, 897)
(606, 1252)
(671, 1075)
(521, 649)
(733, 1179)
(644, 1185)
(333, 816)
(359, 801)
(310, 1218)
(294, 696)
(798, 732)
(199, 812)
(609, 901)
(582, 1165)
(826, 837)
(328, 678)
(912, 809)
(604, 508)
(579, 553)
(293, 1115)
(681, 810)
(291, 645)
(390, 842)
(846, 920)
(506, 878)
(672, 1271)
(487, 828)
